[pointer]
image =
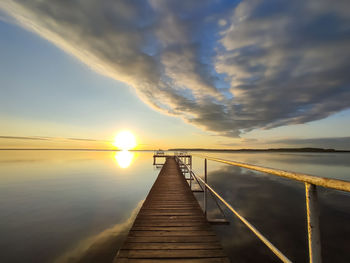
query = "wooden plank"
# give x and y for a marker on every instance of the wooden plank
(168, 213)
(209, 245)
(194, 210)
(177, 218)
(164, 209)
(169, 224)
(172, 239)
(183, 260)
(170, 228)
(171, 218)
(165, 206)
(157, 233)
(171, 253)
(193, 221)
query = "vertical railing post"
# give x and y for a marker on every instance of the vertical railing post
(191, 181)
(190, 162)
(205, 188)
(190, 172)
(313, 224)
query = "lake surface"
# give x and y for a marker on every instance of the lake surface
(276, 206)
(77, 206)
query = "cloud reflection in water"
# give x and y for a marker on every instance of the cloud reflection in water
(276, 207)
(101, 247)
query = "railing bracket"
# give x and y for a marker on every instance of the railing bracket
(197, 191)
(218, 222)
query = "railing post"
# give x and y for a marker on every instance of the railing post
(313, 224)
(190, 180)
(190, 162)
(190, 172)
(205, 188)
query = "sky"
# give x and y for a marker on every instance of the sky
(208, 74)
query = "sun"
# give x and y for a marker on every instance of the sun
(125, 140)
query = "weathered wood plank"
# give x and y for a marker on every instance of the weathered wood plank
(209, 245)
(170, 228)
(169, 224)
(174, 239)
(171, 217)
(169, 233)
(171, 253)
(195, 210)
(192, 260)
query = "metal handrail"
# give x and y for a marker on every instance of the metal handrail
(275, 250)
(305, 178)
(312, 207)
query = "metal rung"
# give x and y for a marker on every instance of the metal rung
(189, 178)
(197, 191)
(219, 222)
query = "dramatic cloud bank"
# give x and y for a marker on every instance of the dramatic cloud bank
(225, 66)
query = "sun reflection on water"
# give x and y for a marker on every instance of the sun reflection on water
(124, 158)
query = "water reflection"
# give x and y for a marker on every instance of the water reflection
(101, 247)
(332, 165)
(68, 206)
(276, 206)
(124, 158)
(75, 206)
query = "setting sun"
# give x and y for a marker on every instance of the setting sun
(125, 140)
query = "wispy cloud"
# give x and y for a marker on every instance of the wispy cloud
(24, 138)
(225, 66)
(50, 138)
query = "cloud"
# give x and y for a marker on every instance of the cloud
(224, 66)
(24, 138)
(287, 60)
(49, 138)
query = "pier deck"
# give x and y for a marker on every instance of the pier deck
(170, 226)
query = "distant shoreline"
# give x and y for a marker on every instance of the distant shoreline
(308, 149)
(70, 149)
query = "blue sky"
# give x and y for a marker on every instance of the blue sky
(193, 74)
(48, 93)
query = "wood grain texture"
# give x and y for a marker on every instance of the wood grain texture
(171, 226)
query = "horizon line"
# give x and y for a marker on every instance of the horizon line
(298, 149)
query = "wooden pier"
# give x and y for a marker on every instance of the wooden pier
(170, 226)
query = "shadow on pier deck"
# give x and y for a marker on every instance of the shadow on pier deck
(171, 226)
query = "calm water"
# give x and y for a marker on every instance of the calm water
(75, 206)
(69, 206)
(276, 206)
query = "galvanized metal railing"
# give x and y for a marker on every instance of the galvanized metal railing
(311, 183)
